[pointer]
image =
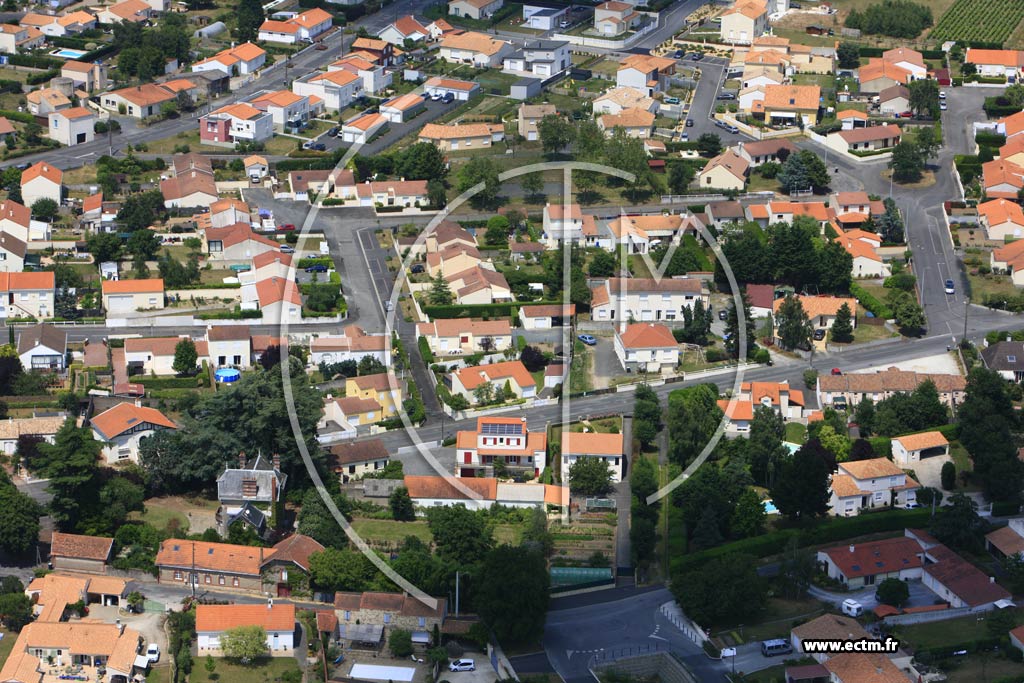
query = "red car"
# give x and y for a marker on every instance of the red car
(287, 227)
(836, 371)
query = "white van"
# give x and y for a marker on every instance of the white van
(852, 608)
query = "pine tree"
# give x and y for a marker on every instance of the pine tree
(842, 328)
(440, 292)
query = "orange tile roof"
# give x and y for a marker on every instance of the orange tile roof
(11, 282)
(1000, 172)
(86, 637)
(875, 468)
(904, 54)
(648, 63)
(472, 41)
(1011, 58)
(633, 117)
(223, 557)
(240, 110)
(647, 336)
(876, 557)
(1007, 541)
(736, 409)
(1013, 124)
(160, 346)
(858, 248)
(133, 286)
(408, 25)
(591, 443)
(279, 98)
(998, 211)
(269, 257)
(890, 131)
(125, 416)
(451, 84)
(273, 26)
(312, 17)
(278, 617)
(792, 96)
(749, 8)
(420, 487)
(917, 442)
(42, 170)
(473, 376)
(878, 68)
(15, 212)
(731, 162)
(454, 327)
(339, 77)
(862, 667)
(81, 547)
(438, 131)
(820, 305)
(366, 122)
(145, 95)
(274, 289)
(851, 114)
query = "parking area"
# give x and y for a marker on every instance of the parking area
(604, 365)
(702, 107)
(929, 471)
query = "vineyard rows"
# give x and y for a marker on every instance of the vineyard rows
(987, 21)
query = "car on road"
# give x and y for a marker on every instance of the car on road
(286, 249)
(818, 335)
(685, 137)
(723, 314)
(836, 371)
(942, 94)
(911, 506)
(153, 653)
(287, 227)
(588, 339)
(942, 105)
(726, 96)
(689, 123)
(462, 665)
(563, 24)
(950, 289)
(317, 268)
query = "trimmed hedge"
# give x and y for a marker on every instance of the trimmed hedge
(984, 137)
(35, 61)
(481, 310)
(230, 315)
(830, 530)
(986, 644)
(19, 116)
(170, 382)
(868, 301)
(425, 352)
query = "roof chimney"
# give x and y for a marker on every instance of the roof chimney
(276, 459)
(241, 459)
(991, 579)
(851, 547)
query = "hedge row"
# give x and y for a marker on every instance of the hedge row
(829, 530)
(35, 61)
(986, 644)
(480, 310)
(229, 315)
(425, 352)
(171, 382)
(984, 137)
(44, 77)
(877, 52)
(870, 302)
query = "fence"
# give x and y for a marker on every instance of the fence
(938, 615)
(587, 41)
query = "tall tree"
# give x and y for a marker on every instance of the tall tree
(987, 420)
(801, 489)
(513, 597)
(249, 16)
(924, 97)
(317, 522)
(556, 133)
(440, 292)
(478, 170)
(842, 327)
(793, 327)
(185, 357)
(693, 416)
(460, 535)
(907, 162)
(70, 466)
(590, 476)
(958, 524)
(19, 524)
(401, 505)
(766, 450)
(748, 519)
(732, 328)
(723, 590)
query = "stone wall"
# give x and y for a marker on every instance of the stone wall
(662, 665)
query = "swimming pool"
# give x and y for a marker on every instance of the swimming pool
(769, 507)
(68, 53)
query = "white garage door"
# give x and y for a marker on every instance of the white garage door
(121, 304)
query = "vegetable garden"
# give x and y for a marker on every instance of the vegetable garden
(980, 21)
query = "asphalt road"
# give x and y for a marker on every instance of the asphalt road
(702, 107)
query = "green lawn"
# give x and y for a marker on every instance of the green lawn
(508, 533)
(866, 333)
(162, 512)
(989, 286)
(6, 645)
(157, 674)
(776, 620)
(949, 632)
(795, 432)
(579, 371)
(390, 531)
(264, 670)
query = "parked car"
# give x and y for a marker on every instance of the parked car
(818, 334)
(563, 24)
(333, 132)
(723, 314)
(416, 268)
(436, 96)
(689, 123)
(942, 94)
(448, 97)
(837, 371)
(153, 653)
(678, 54)
(319, 147)
(317, 268)
(697, 56)
(685, 137)
(587, 339)
(726, 96)
(287, 227)
(287, 249)
(462, 665)
(942, 105)
(950, 288)
(671, 100)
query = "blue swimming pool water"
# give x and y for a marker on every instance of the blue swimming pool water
(769, 507)
(68, 53)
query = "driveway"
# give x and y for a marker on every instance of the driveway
(929, 471)
(604, 365)
(920, 596)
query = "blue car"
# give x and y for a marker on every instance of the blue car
(587, 339)
(317, 268)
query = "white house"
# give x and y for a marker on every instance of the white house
(140, 102)
(304, 27)
(645, 73)
(506, 440)
(542, 17)
(646, 347)
(287, 108)
(353, 345)
(128, 296)
(402, 108)
(546, 316)
(540, 58)
(460, 90)
(155, 355)
(41, 181)
(43, 347)
(865, 484)
(27, 295)
(566, 223)
(403, 29)
(456, 336)
(240, 60)
(478, 49)
(863, 248)
(869, 563)
(580, 445)
(745, 21)
(645, 300)
(121, 429)
(74, 126)
(229, 346)
(276, 618)
(362, 129)
(337, 88)
(474, 9)
(1008, 64)
(466, 381)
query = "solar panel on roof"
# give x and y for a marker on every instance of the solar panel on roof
(501, 428)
